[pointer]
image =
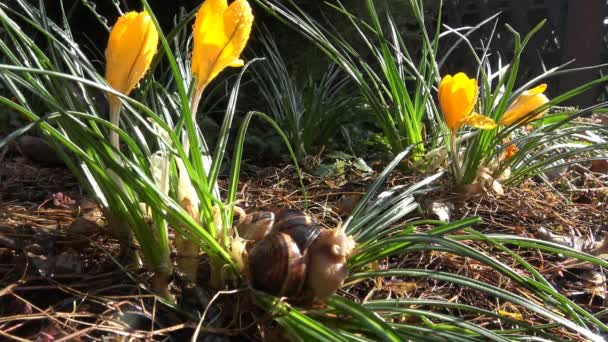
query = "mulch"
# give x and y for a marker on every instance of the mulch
(60, 281)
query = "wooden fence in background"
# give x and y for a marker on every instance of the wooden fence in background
(575, 29)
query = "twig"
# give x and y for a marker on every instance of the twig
(200, 323)
(7, 289)
(71, 336)
(16, 338)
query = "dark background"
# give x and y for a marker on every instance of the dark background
(575, 29)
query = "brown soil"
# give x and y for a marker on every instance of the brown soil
(59, 279)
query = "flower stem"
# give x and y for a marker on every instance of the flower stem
(115, 106)
(119, 229)
(455, 158)
(187, 251)
(194, 103)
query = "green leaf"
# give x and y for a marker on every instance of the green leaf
(365, 318)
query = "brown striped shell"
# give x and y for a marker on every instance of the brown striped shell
(301, 227)
(256, 226)
(277, 266)
(286, 218)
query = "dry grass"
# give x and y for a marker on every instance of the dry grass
(60, 281)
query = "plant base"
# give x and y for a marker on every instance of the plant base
(466, 191)
(160, 285)
(187, 257)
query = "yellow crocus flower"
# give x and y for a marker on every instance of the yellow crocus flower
(457, 98)
(525, 104)
(132, 45)
(220, 35)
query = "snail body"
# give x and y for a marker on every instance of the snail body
(327, 263)
(296, 257)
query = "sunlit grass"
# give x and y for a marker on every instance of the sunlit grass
(161, 160)
(310, 112)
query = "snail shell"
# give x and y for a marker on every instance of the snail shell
(277, 266)
(299, 226)
(299, 259)
(257, 225)
(287, 218)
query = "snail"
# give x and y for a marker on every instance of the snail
(255, 226)
(292, 256)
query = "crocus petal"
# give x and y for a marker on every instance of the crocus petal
(466, 92)
(478, 121)
(237, 63)
(132, 44)
(525, 104)
(509, 152)
(220, 35)
(445, 102)
(536, 90)
(457, 97)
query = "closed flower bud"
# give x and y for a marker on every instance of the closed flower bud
(220, 35)
(132, 45)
